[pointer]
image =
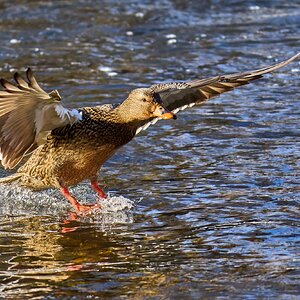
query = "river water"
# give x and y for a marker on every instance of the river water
(204, 207)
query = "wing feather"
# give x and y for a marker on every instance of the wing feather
(28, 113)
(33, 83)
(178, 96)
(22, 84)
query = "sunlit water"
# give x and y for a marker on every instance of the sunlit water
(203, 207)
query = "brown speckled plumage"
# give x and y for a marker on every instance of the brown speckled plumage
(94, 140)
(69, 146)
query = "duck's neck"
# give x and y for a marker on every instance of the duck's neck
(126, 113)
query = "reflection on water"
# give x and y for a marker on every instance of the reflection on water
(203, 207)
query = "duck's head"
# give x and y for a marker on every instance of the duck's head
(143, 104)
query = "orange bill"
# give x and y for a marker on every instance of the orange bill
(168, 115)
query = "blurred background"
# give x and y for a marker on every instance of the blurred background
(215, 193)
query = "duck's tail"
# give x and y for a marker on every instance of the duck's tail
(10, 178)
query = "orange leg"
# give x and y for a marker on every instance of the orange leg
(97, 189)
(78, 207)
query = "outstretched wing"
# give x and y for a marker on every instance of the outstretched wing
(27, 116)
(178, 96)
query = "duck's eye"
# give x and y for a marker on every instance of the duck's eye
(144, 100)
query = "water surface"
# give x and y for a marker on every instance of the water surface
(204, 207)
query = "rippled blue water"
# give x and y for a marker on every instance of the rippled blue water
(204, 207)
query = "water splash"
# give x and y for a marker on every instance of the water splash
(16, 200)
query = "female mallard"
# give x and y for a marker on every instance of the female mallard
(68, 146)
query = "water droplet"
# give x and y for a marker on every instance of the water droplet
(14, 41)
(172, 41)
(170, 36)
(105, 69)
(139, 14)
(112, 73)
(254, 7)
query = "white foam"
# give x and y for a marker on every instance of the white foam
(115, 203)
(16, 201)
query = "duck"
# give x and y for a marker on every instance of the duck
(57, 147)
